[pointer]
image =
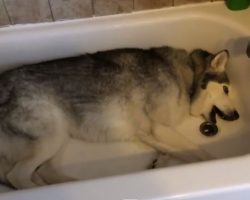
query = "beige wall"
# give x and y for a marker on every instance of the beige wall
(32, 11)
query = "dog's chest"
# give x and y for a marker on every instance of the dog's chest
(170, 107)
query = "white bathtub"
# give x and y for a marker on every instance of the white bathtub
(210, 26)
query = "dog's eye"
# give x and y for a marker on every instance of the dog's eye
(225, 89)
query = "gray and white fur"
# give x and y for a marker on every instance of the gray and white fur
(116, 95)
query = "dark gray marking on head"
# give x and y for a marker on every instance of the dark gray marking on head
(200, 60)
(219, 78)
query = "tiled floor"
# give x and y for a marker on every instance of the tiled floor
(23, 11)
(70, 9)
(150, 4)
(27, 11)
(4, 20)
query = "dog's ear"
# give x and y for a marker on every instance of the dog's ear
(219, 61)
(199, 59)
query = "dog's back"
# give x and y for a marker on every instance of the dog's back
(98, 97)
(83, 84)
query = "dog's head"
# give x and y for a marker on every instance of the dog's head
(211, 88)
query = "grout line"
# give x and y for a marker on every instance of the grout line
(133, 5)
(93, 7)
(193, 2)
(7, 13)
(51, 12)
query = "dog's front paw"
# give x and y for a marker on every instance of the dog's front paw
(165, 160)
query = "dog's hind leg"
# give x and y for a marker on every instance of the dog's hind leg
(21, 174)
(43, 127)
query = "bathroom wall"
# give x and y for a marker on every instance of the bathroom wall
(33, 11)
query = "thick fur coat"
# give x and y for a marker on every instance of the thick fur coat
(116, 95)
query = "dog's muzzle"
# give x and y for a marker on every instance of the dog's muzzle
(234, 115)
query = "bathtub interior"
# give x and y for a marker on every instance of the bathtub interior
(29, 44)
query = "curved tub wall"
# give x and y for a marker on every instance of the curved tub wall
(211, 27)
(177, 27)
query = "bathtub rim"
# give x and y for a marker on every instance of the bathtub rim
(222, 178)
(234, 182)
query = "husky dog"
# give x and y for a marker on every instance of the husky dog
(115, 95)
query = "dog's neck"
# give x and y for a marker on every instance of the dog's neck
(188, 76)
(194, 82)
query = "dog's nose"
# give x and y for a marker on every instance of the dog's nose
(236, 115)
(232, 116)
(229, 116)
